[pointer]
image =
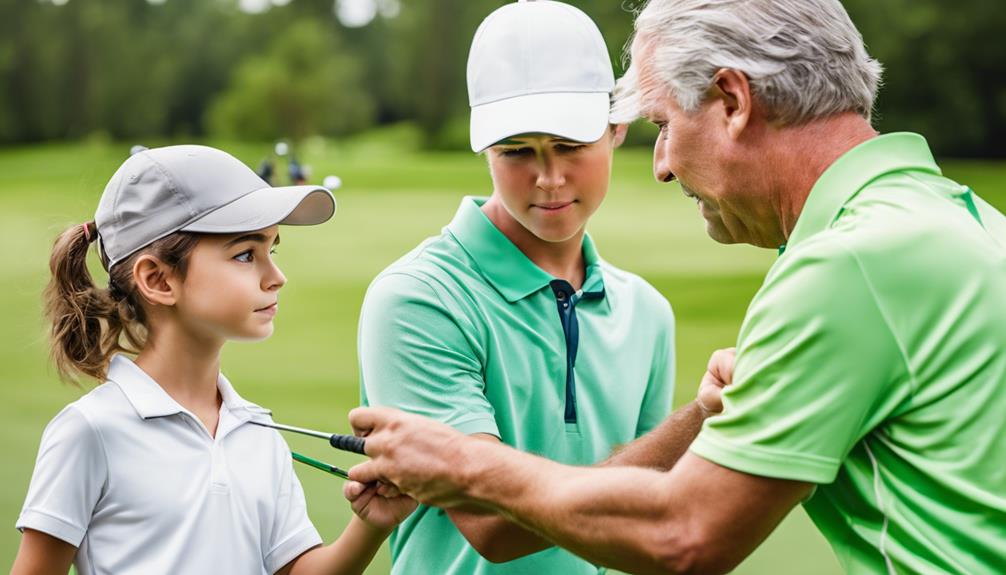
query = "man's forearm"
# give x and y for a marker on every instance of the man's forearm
(495, 537)
(617, 517)
(665, 444)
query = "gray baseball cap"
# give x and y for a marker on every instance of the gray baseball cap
(160, 191)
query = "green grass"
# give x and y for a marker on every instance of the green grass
(307, 372)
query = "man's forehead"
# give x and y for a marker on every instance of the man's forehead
(650, 91)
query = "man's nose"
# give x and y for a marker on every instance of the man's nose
(661, 170)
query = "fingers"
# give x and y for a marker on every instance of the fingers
(366, 472)
(388, 490)
(721, 366)
(352, 490)
(363, 420)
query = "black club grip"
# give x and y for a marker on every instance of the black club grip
(348, 443)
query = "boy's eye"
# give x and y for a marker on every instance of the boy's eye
(516, 152)
(566, 148)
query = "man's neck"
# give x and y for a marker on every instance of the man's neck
(802, 154)
(563, 260)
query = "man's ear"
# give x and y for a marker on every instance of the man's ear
(155, 281)
(731, 87)
(618, 135)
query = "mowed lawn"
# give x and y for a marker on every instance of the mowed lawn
(307, 372)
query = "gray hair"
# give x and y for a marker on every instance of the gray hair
(804, 59)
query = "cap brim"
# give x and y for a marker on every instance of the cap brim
(579, 116)
(289, 205)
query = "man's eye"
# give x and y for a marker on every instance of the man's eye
(244, 257)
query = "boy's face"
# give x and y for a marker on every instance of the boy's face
(231, 287)
(551, 186)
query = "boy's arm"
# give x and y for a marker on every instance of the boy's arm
(42, 554)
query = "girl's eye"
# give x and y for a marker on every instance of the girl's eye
(273, 251)
(515, 152)
(244, 257)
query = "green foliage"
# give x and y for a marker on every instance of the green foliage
(304, 85)
(137, 70)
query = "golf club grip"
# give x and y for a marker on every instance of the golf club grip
(348, 443)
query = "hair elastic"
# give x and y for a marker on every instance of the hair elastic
(87, 232)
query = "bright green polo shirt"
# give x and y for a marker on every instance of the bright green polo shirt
(872, 362)
(467, 330)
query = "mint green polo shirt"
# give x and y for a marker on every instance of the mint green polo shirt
(872, 363)
(467, 330)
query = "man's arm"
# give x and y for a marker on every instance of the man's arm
(498, 539)
(665, 444)
(697, 518)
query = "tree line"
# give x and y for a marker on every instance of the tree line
(131, 69)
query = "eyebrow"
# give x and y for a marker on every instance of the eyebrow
(260, 238)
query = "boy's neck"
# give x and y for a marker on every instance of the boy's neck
(187, 370)
(563, 260)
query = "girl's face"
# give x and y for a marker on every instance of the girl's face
(231, 287)
(551, 186)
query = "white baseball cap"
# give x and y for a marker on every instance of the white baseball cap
(160, 191)
(538, 67)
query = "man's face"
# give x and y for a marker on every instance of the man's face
(695, 149)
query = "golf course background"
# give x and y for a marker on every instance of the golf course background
(393, 196)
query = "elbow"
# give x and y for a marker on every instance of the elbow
(677, 551)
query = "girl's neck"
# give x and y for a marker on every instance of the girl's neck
(563, 260)
(186, 368)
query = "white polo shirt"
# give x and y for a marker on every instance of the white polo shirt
(135, 481)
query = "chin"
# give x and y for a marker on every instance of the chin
(719, 234)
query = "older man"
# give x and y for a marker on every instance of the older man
(870, 379)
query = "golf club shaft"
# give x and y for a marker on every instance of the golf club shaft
(338, 441)
(320, 465)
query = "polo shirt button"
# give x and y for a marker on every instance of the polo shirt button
(560, 296)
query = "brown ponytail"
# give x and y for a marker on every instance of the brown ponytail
(90, 324)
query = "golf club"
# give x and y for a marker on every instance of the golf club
(338, 441)
(320, 465)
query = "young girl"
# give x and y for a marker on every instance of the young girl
(160, 470)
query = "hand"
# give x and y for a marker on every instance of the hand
(419, 456)
(719, 374)
(381, 506)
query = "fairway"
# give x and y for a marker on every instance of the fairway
(390, 200)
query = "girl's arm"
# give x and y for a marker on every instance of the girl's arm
(42, 554)
(377, 512)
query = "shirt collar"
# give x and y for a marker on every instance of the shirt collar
(150, 400)
(853, 171)
(503, 265)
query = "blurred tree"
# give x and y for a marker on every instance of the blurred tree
(304, 85)
(135, 69)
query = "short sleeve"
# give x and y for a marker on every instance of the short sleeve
(659, 397)
(69, 478)
(418, 355)
(817, 368)
(292, 532)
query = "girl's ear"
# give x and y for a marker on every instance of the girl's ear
(155, 281)
(618, 135)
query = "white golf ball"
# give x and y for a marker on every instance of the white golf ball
(332, 182)
(282, 148)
